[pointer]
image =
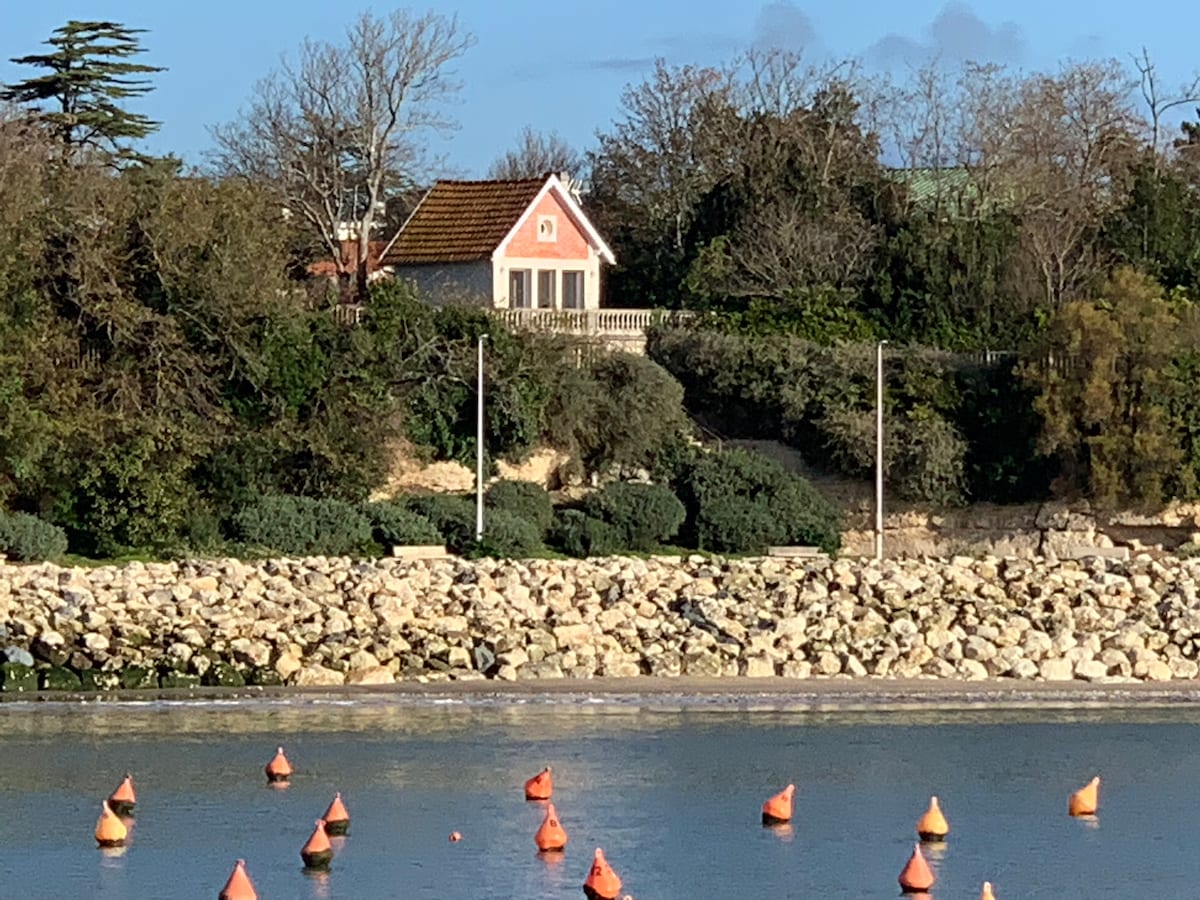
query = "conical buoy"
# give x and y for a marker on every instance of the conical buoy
(602, 882)
(540, 786)
(550, 836)
(987, 894)
(317, 853)
(238, 887)
(933, 827)
(917, 876)
(110, 830)
(123, 799)
(1086, 800)
(278, 769)
(778, 809)
(337, 820)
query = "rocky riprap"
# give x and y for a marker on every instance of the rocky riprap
(328, 622)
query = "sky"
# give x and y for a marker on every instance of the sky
(562, 66)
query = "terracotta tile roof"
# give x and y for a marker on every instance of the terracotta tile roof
(462, 221)
(327, 268)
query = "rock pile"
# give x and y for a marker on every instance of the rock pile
(328, 622)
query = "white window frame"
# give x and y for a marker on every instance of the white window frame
(547, 277)
(547, 235)
(579, 276)
(526, 279)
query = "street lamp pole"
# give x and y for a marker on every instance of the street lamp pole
(879, 450)
(479, 445)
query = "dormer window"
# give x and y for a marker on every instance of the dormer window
(547, 228)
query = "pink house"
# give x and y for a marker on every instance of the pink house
(502, 244)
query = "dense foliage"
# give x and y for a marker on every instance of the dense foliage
(302, 526)
(641, 516)
(740, 502)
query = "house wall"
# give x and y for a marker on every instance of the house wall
(450, 283)
(590, 266)
(569, 240)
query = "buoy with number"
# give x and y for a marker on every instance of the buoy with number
(278, 770)
(916, 875)
(932, 827)
(550, 837)
(540, 786)
(602, 882)
(238, 887)
(317, 853)
(337, 819)
(1086, 800)
(110, 830)
(778, 809)
(123, 799)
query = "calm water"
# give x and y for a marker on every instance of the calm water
(671, 791)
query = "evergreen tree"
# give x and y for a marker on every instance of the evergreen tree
(89, 75)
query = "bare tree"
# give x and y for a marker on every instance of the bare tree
(344, 126)
(537, 154)
(1159, 104)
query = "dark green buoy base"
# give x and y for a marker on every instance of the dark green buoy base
(769, 820)
(337, 829)
(121, 807)
(319, 860)
(928, 837)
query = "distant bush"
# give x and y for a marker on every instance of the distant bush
(523, 499)
(393, 524)
(453, 515)
(506, 536)
(302, 526)
(642, 516)
(621, 412)
(26, 538)
(575, 533)
(740, 502)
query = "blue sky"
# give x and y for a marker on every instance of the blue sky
(562, 66)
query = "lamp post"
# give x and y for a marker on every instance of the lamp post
(479, 445)
(879, 450)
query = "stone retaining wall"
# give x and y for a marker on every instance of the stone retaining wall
(334, 622)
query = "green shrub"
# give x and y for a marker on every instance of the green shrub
(641, 515)
(302, 526)
(394, 524)
(620, 412)
(523, 499)
(27, 538)
(506, 536)
(453, 515)
(740, 502)
(929, 459)
(575, 533)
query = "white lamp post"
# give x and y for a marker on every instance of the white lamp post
(479, 445)
(879, 450)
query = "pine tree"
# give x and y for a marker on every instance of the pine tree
(89, 75)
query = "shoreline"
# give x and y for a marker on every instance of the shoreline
(873, 693)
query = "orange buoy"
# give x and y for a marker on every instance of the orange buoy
(123, 799)
(337, 820)
(317, 853)
(778, 809)
(1086, 800)
(278, 769)
(550, 837)
(932, 826)
(987, 894)
(110, 830)
(602, 882)
(238, 887)
(455, 837)
(916, 876)
(540, 786)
